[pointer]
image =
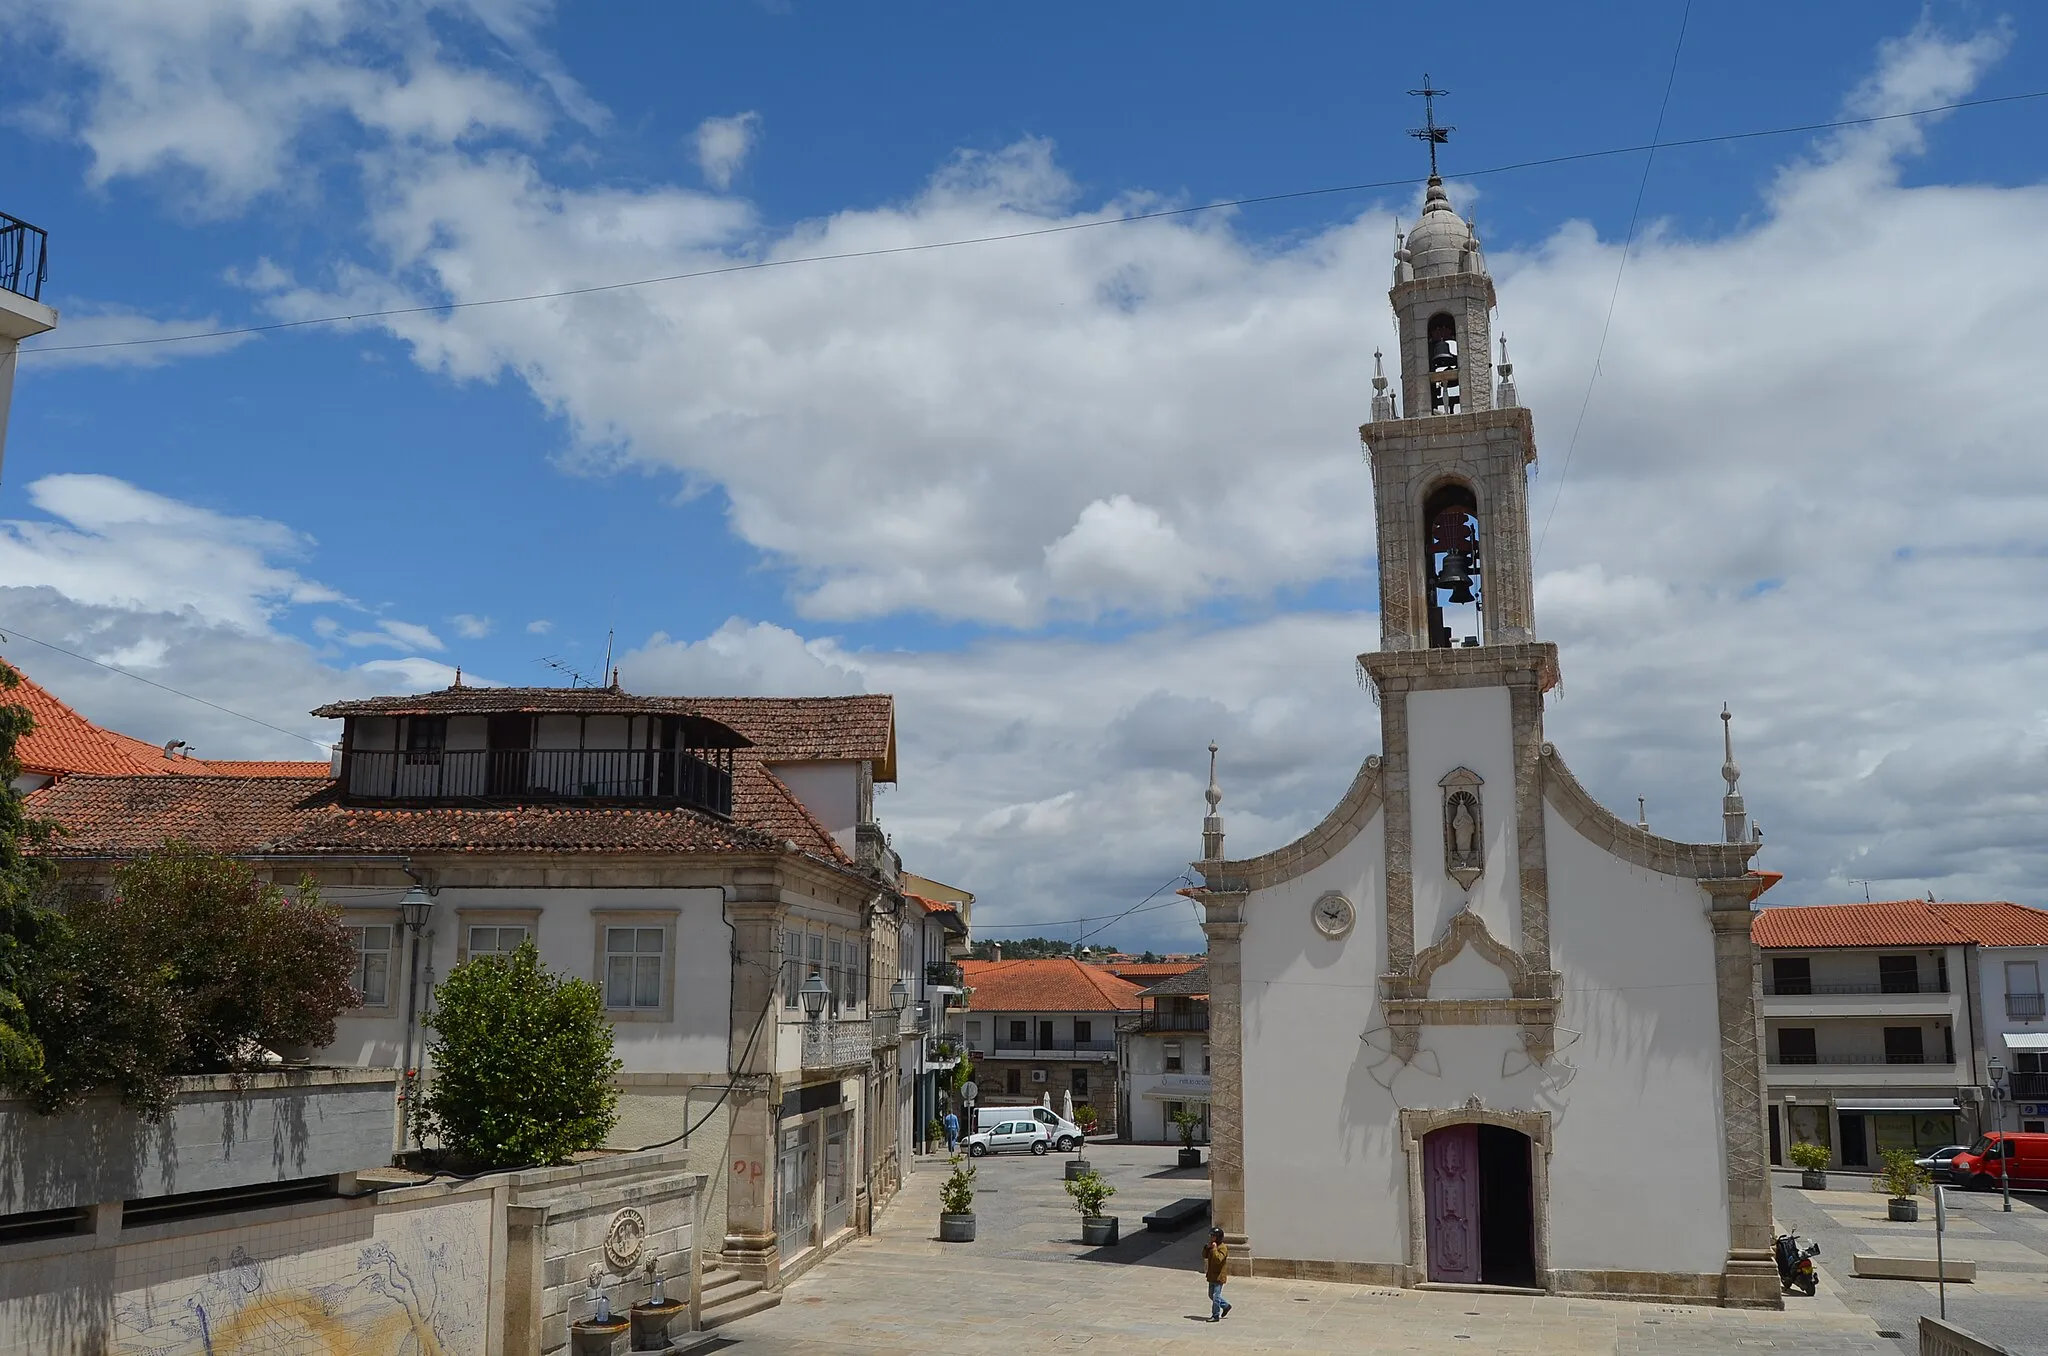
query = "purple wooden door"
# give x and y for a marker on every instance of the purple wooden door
(1450, 1183)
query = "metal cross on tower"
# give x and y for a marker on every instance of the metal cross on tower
(1429, 132)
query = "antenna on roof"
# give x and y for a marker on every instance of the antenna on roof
(1857, 880)
(559, 665)
(611, 675)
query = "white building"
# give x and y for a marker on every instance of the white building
(1164, 1062)
(2011, 959)
(1474, 1028)
(697, 859)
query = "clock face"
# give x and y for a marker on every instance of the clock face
(1333, 915)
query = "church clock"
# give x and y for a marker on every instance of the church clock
(1334, 915)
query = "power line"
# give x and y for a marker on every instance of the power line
(758, 265)
(164, 687)
(1642, 185)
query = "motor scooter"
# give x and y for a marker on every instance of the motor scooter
(1795, 1264)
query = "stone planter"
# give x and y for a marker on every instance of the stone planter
(1812, 1180)
(1190, 1158)
(1077, 1168)
(1904, 1209)
(600, 1339)
(956, 1228)
(652, 1330)
(1098, 1231)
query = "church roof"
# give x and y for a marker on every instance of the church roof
(1436, 245)
(1902, 922)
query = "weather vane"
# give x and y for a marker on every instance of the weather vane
(1436, 136)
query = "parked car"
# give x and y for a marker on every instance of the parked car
(1066, 1136)
(1936, 1163)
(2023, 1158)
(1010, 1134)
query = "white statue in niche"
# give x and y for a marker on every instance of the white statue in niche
(1464, 832)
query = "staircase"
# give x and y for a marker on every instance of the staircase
(727, 1295)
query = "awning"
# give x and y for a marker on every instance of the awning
(2027, 1040)
(1898, 1105)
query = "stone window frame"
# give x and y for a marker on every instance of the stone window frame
(666, 920)
(1417, 1124)
(377, 918)
(492, 916)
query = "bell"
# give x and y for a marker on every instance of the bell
(1456, 576)
(1442, 356)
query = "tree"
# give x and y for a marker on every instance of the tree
(25, 923)
(191, 964)
(523, 1063)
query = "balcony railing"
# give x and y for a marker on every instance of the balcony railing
(1174, 1021)
(1018, 1049)
(24, 257)
(701, 778)
(1800, 988)
(2028, 1087)
(2024, 1007)
(829, 1042)
(1856, 1059)
(939, 1050)
(943, 975)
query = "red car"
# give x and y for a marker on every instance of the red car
(2022, 1159)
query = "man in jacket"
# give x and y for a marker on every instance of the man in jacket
(1216, 1266)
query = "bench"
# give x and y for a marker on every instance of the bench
(1179, 1215)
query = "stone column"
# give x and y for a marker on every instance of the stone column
(1223, 922)
(1749, 1279)
(749, 1159)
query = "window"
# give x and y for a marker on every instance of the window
(632, 968)
(1902, 1045)
(1898, 974)
(835, 951)
(2023, 991)
(1791, 974)
(425, 737)
(1045, 1041)
(1080, 1082)
(1172, 1049)
(1795, 1045)
(1017, 1036)
(373, 962)
(974, 1031)
(792, 967)
(1013, 1082)
(1083, 1031)
(1205, 1057)
(849, 977)
(495, 940)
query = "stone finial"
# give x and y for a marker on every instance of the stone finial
(1382, 399)
(1734, 816)
(1642, 814)
(1504, 390)
(1212, 823)
(1403, 271)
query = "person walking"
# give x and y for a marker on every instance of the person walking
(952, 1124)
(1216, 1266)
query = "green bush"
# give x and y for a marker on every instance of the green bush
(1090, 1191)
(191, 964)
(1811, 1157)
(1902, 1176)
(523, 1064)
(1187, 1122)
(25, 923)
(956, 1195)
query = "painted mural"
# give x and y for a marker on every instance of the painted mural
(416, 1283)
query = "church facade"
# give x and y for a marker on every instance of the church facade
(1473, 1028)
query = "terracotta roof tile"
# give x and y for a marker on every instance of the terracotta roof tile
(1903, 922)
(1056, 984)
(65, 742)
(1191, 983)
(1147, 972)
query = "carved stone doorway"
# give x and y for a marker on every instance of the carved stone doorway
(1479, 1206)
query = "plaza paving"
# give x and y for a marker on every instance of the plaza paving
(1027, 1285)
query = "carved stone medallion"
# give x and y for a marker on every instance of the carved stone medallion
(624, 1238)
(1464, 833)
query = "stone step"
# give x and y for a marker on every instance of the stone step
(717, 1278)
(734, 1303)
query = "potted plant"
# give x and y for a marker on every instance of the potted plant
(1187, 1121)
(1089, 1192)
(935, 1134)
(1812, 1162)
(1901, 1180)
(956, 1204)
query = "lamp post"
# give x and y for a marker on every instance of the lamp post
(414, 909)
(1997, 1067)
(899, 994)
(815, 993)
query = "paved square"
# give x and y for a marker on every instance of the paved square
(1027, 1284)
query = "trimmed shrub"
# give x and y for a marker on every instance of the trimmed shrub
(1810, 1157)
(523, 1064)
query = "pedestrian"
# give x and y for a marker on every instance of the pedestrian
(1216, 1266)
(952, 1132)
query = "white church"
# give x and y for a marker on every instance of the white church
(1474, 1029)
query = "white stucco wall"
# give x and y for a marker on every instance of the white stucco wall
(1470, 728)
(692, 1038)
(831, 791)
(1325, 1173)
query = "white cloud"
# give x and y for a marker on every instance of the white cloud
(540, 627)
(723, 144)
(131, 338)
(470, 626)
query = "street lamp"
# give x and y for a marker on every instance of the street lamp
(1997, 1069)
(815, 993)
(413, 910)
(899, 993)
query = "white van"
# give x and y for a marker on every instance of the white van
(1064, 1134)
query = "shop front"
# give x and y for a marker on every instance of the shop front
(815, 1152)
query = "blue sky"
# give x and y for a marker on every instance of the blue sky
(1083, 502)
